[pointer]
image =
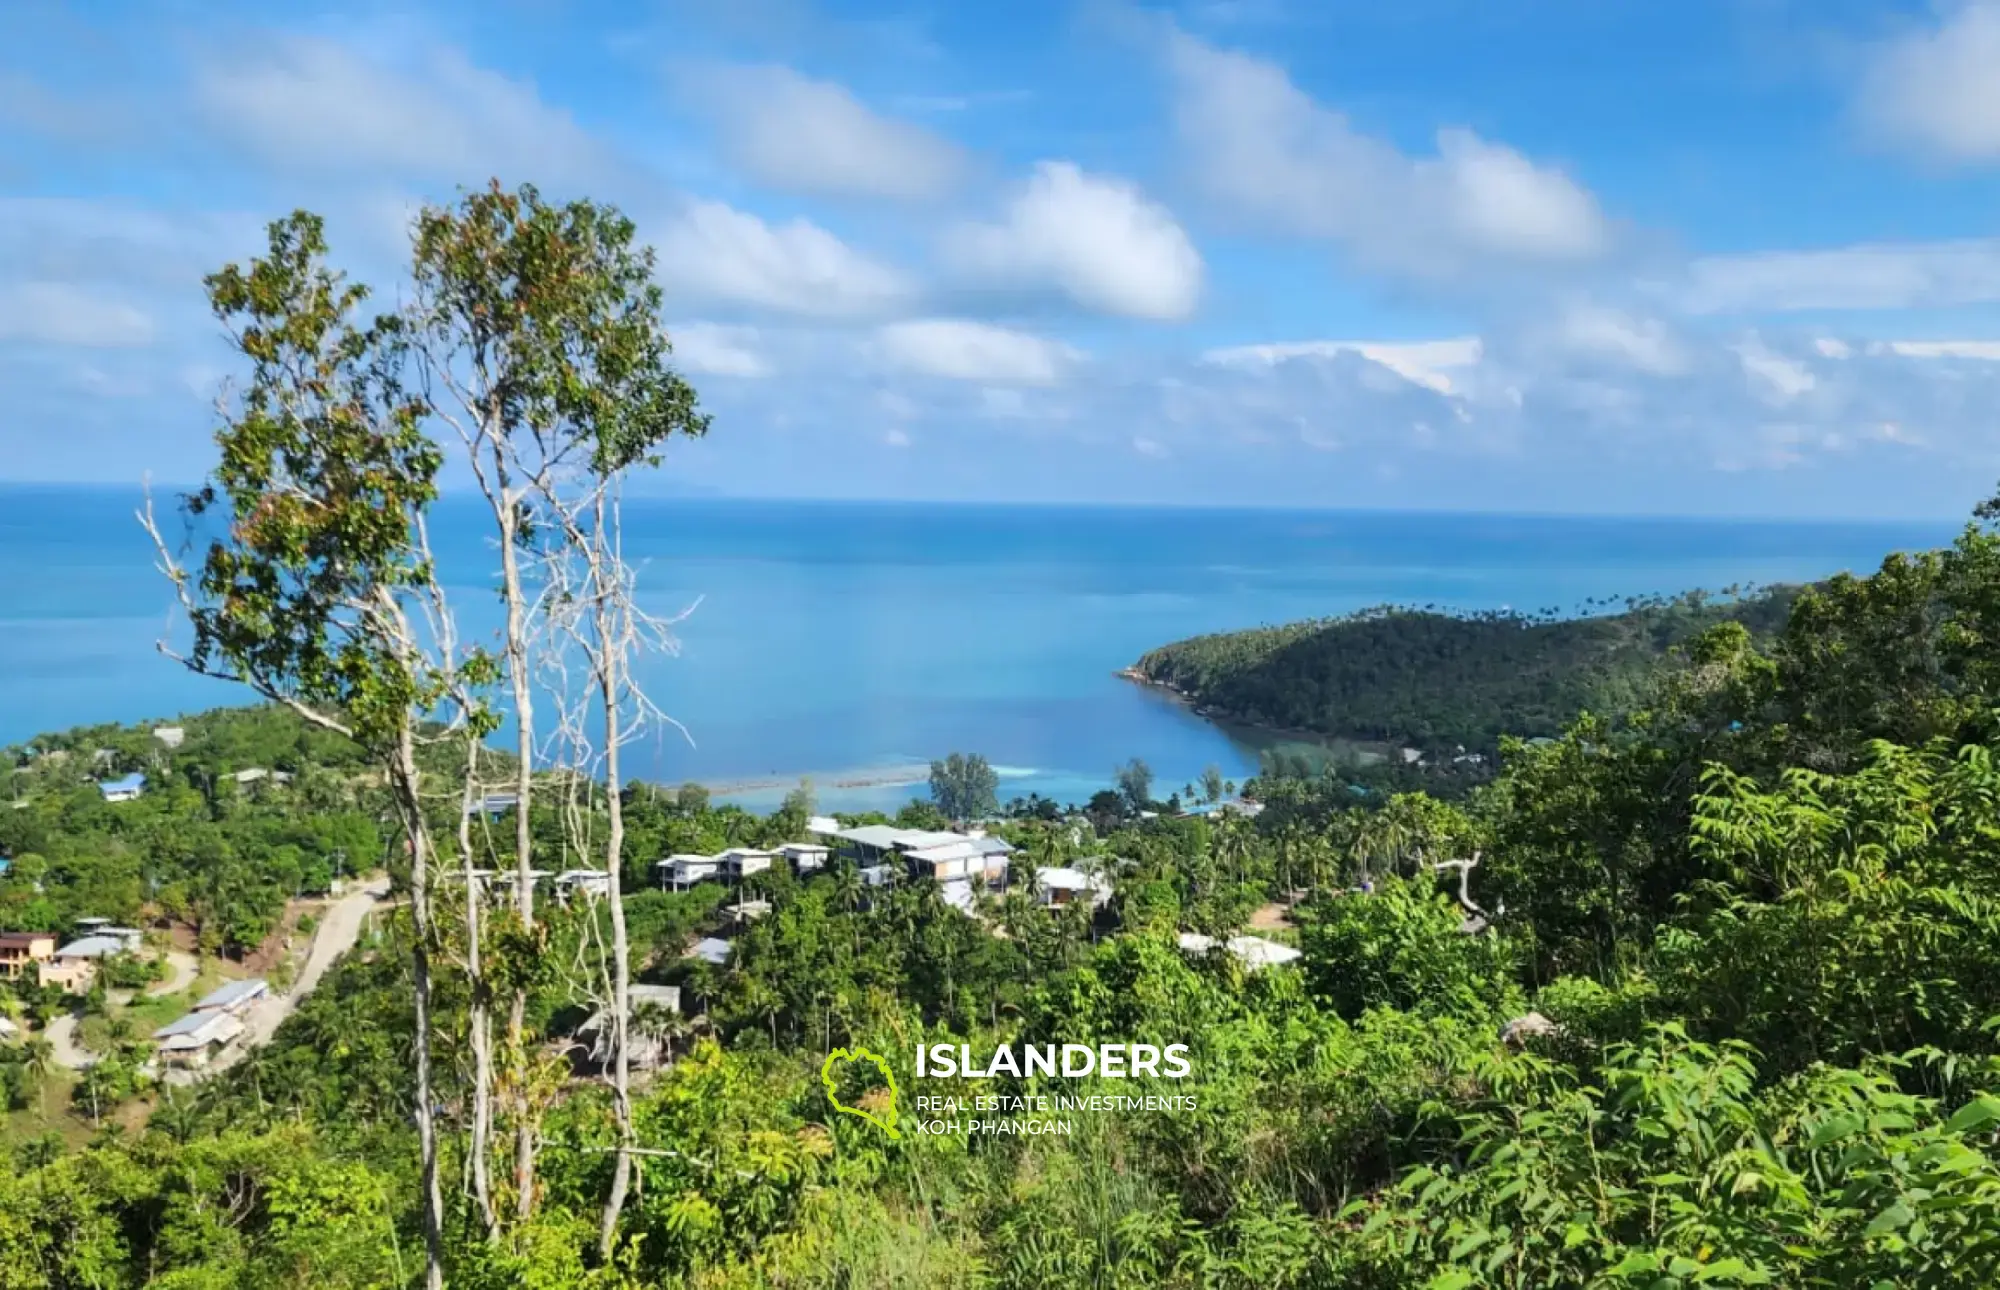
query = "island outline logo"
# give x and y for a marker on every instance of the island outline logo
(881, 1064)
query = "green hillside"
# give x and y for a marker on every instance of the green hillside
(1429, 679)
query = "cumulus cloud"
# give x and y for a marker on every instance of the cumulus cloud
(1432, 364)
(1269, 152)
(712, 251)
(709, 349)
(1096, 239)
(962, 350)
(1884, 275)
(797, 134)
(57, 313)
(1935, 88)
(313, 103)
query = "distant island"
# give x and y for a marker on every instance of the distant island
(1438, 682)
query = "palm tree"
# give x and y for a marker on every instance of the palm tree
(38, 1059)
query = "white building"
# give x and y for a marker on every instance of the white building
(805, 857)
(711, 949)
(171, 736)
(1063, 886)
(1254, 952)
(739, 863)
(590, 882)
(679, 872)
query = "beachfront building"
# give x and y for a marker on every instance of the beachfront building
(22, 951)
(1057, 887)
(198, 1038)
(1254, 952)
(128, 789)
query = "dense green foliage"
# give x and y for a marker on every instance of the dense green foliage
(198, 846)
(1441, 682)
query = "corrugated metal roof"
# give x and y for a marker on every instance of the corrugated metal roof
(232, 993)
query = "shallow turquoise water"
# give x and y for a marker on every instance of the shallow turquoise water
(848, 640)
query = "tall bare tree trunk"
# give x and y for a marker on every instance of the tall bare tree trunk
(507, 506)
(607, 579)
(405, 777)
(478, 1017)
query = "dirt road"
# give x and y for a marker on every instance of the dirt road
(336, 934)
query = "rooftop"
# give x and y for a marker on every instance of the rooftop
(712, 950)
(198, 1030)
(231, 994)
(92, 947)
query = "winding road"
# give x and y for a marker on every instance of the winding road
(339, 928)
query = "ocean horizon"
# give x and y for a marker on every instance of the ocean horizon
(852, 642)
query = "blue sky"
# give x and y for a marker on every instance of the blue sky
(1706, 256)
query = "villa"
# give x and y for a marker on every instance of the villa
(74, 966)
(128, 789)
(805, 857)
(21, 950)
(680, 872)
(1059, 887)
(591, 882)
(928, 853)
(740, 862)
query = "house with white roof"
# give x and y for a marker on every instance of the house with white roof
(590, 882)
(680, 872)
(171, 736)
(1061, 886)
(805, 857)
(739, 863)
(1254, 952)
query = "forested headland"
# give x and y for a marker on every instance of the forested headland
(1698, 990)
(1445, 683)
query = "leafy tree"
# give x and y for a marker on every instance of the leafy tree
(965, 787)
(1135, 784)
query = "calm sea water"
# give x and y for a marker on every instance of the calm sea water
(852, 642)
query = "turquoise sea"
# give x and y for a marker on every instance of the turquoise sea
(852, 642)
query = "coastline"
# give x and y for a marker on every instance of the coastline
(1229, 722)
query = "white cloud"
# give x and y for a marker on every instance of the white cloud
(1097, 239)
(311, 103)
(1987, 351)
(962, 350)
(715, 252)
(895, 438)
(1432, 364)
(1269, 152)
(1781, 378)
(56, 313)
(1936, 88)
(1592, 331)
(797, 134)
(712, 350)
(1885, 275)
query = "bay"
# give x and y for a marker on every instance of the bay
(852, 642)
